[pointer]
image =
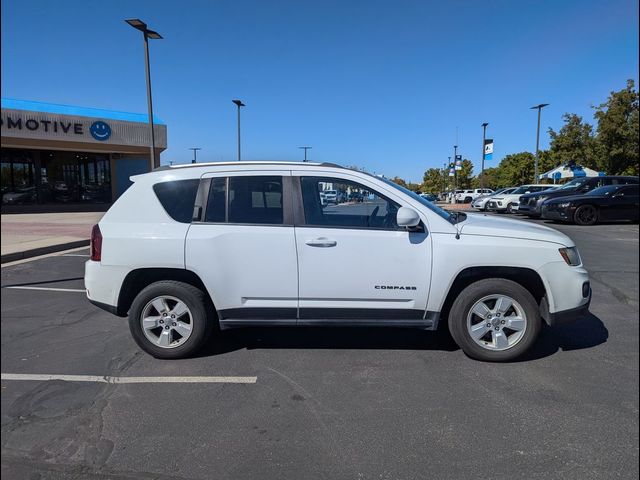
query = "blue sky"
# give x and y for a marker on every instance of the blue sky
(380, 84)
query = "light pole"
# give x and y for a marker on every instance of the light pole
(444, 178)
(195, 149)
(147, 34)
(305, 152)
(535, 168)
(239, 104)
(455, 172)
(484, 136)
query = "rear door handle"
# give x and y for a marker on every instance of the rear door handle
(321, 242)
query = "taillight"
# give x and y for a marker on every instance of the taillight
(96, 243)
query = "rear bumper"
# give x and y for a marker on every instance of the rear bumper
(103, 284)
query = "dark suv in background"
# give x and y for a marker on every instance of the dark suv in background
(531, 203)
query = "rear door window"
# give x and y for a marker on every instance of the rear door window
(255, 200)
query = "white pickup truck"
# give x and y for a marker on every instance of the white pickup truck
(195, 249)
(468, 196)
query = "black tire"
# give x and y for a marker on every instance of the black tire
(203, 318)
(510, 208)
(586, 215)
(468, 200)
(466, 300)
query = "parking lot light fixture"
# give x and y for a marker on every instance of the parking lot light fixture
(535, 168)
(305, 152)
(147, 34)
(195, 150)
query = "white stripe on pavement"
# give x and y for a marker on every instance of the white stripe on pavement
(74, 255)
(110, 379)
(78, 290)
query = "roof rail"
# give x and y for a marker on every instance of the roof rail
(245, 162)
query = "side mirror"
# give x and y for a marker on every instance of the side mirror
(407, 217)
(527, 192)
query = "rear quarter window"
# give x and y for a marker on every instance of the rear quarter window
(178, 198)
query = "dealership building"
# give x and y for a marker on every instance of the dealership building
(61, 156)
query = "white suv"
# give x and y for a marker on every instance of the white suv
(188, 249)
(508, 202)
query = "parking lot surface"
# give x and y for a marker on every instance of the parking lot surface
(319, 403)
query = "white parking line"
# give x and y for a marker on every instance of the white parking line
(74, 255)
(77, 290)
(109, 379)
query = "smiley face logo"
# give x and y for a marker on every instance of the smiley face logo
(100, 130)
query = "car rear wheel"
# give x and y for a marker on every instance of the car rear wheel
(585, 215)
(494, 320)
(170, 319)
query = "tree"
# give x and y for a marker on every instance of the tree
(465, 176)
(433, 181)
(515, 169)
(399, 181)
(490, 177)
(575, 142)
(618, 131)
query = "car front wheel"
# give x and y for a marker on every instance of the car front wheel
(494, 320)
(170, 319)
(585, 215)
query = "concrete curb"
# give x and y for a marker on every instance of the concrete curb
(36, 252)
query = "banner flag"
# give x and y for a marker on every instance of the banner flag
(488, 149)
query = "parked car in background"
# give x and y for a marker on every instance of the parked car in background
(356, 197)
(480, 203)
(330, 196)
(468, 196)
(429, 196)
(20, 195)
(452, 194)
(508, 203)
(609, 203)
(531, 204)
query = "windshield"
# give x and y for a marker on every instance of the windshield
(431, 206)
(607, 190)
(573, 184)
(521, 190)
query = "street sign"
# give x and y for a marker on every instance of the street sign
(488, 149)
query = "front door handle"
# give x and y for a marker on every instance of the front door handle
(321, 242)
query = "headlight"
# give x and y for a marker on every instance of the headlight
(564, 205)
(571, 256)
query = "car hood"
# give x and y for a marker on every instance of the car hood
(492, 226)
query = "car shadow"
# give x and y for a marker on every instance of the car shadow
(585, 333)
(347, 338)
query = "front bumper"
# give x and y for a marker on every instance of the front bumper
(564, 317)
(558, 214)
(568, 292)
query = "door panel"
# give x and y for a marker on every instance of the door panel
(249, 269)
(355, 263)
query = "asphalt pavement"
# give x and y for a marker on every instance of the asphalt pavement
(324, 403)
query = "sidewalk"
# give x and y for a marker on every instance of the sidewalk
(33, 234)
